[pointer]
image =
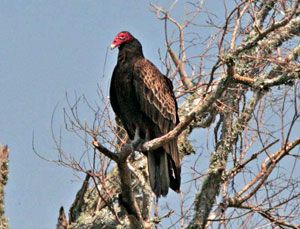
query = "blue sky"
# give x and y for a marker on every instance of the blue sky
(48, 48)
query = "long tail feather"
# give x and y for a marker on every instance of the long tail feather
(158, 172)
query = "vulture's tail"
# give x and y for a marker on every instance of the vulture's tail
(162, 172)
(158, 172)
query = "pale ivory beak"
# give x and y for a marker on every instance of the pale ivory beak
(112, 46)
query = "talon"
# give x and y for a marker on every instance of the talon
(137, 144)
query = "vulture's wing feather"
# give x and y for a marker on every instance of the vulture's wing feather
(155, 95)
(113, 95)
(116, 106)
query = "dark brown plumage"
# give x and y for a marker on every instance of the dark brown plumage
(142, 97)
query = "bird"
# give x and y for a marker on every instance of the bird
(143, 99)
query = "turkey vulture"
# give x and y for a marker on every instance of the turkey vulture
(143, 99)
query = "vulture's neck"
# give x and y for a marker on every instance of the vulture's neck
(128, 52)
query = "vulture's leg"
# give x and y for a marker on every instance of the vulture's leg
(147, 138)
(137, 141)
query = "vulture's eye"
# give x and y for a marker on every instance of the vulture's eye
(122, 37)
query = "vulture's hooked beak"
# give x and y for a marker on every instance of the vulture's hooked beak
(112, 46)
